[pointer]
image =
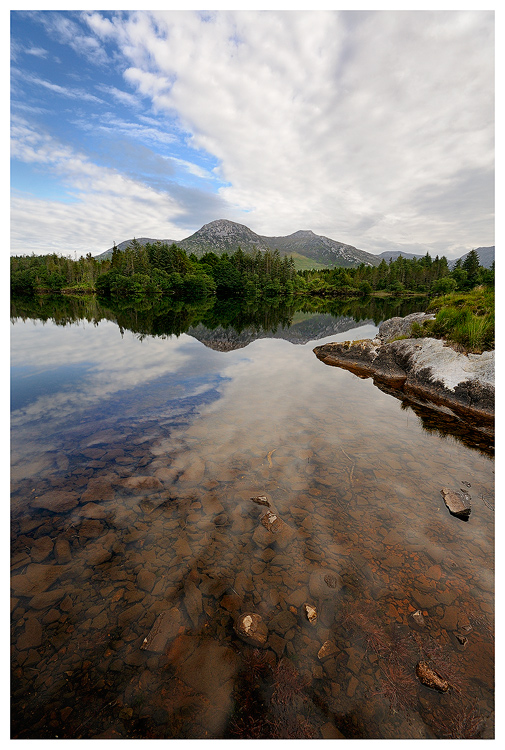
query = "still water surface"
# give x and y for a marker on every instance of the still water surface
(135, 542)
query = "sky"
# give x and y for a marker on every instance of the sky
(374, 128)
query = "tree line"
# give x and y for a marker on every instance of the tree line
(159, 270)
(422, 275)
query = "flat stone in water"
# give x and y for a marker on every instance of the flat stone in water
(164, 629)
(58, 501)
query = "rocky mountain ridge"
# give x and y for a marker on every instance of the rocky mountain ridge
(224, 236)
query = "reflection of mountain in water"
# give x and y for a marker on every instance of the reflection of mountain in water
(310, 328)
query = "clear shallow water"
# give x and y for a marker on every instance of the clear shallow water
(135, 544)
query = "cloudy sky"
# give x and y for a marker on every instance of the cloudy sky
(374, 128)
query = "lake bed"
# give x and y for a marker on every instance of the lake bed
(136, 543)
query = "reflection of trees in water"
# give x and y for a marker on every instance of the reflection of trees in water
(173, 317)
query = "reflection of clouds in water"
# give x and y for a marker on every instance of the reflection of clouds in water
(277, 381)
(113, 363)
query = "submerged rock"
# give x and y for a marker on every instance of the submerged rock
(193, 602)
(261, 500)
(416, 620)
(164, 629)
(58, 501)
(272, 529)
(251, 628)
(310, 613)
(322, 584)
(457, 502)
(221, 520)
(282, 621)
(430, 678)
(327, 649)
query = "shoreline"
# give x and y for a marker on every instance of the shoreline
(426, 371)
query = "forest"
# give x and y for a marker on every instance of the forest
(159, 270)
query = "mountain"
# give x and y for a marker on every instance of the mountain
(321, 249)
(309, 250)
(223, 236)
(486, 257)
(126, 243)
(388, 255)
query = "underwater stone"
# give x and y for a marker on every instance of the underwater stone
(251, 628)
(310, 613)
(430, 678)
(458, 503)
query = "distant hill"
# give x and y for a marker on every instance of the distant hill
(308, 249)
(123, 245)
(486, 257)
(388, 255)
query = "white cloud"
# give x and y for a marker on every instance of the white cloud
(334, 122)
(67, 31)
(63, 90)
(111, 123)
(36, 52)
(124, 97)
(372, 128)
(103, 202)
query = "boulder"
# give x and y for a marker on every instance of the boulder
(251, 629)
(458, 502)
(395, 327)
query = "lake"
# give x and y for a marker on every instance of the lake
(139, 438)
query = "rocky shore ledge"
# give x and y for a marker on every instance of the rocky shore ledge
(422, 370)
